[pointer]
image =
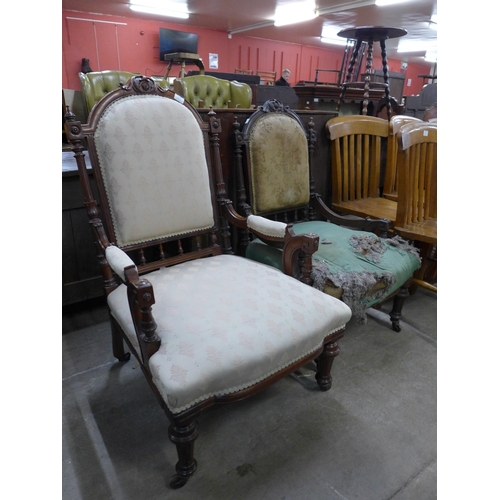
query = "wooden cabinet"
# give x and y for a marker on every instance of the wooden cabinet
(81, 276)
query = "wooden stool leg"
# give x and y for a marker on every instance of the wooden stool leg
(386, 79)
(349, 73)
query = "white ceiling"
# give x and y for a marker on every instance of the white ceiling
(228, 15)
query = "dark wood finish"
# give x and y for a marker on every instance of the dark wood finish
(327, 97)
(395, 80)
(262, 93)
(369, 34)
(165, 251)
(81, 276)
(239, 77)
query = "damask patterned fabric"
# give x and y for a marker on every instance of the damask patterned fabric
(279, 164)
(150, 165)
(227, 322)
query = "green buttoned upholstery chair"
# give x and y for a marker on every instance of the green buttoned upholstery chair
(96, 84)
(273, 154)
(205, 325)
(203, 91)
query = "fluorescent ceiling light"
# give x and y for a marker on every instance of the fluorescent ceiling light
(295, 12)
(161, 8)
(329, 35)
(433, 23)
(416, 45)
(334, 41)
(431, 56)
(382, 3)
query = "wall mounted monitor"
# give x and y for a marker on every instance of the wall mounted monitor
(172, 41)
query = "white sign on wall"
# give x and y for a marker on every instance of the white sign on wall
(213, 61)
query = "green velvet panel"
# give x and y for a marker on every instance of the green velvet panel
(279, 164)
(355, 261)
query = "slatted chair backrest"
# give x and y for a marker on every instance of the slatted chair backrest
(390, 180)
(356, 146)
(417, 174)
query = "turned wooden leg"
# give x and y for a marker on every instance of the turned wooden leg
(397, 306)
(324, 365)
(183, 436)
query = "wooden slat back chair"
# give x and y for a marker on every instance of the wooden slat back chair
(266, 77)
(417, 192)
(390, 179)
(243, 71)
(273, 156)
(357, 157)
(206, 326)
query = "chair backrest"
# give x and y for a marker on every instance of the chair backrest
(357, 156)
(96, 84)
(390, 180)
(417, 173)
(243, 71)
(203, 91)
(276, 177)
(267, 77)
(157, 202)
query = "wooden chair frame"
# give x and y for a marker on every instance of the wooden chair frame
(357, 144)
(268, 77)
(314, 210)
(417, 188)
(390, 180)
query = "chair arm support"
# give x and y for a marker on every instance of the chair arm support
(141, 298)
(266, 228)
(379, 226)
(297, 249)
(118, 260)
(297, 255)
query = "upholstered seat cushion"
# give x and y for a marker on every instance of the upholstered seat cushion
(210, 343)
(357, 266)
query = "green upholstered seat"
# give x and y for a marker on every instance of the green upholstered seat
(354, 263)
(357, 266)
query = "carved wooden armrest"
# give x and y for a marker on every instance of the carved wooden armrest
(297, 248)
(379, 226)
(141, 298)
(266, 228)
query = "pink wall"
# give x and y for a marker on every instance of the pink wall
(130, 44)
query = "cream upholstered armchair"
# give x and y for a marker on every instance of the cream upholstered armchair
(206, 326)
(273, 154)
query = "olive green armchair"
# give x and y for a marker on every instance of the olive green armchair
(203, 91)
(96, 84)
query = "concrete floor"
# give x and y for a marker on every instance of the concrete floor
(371, 437)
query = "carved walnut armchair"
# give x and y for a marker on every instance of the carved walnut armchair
(206, 326)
